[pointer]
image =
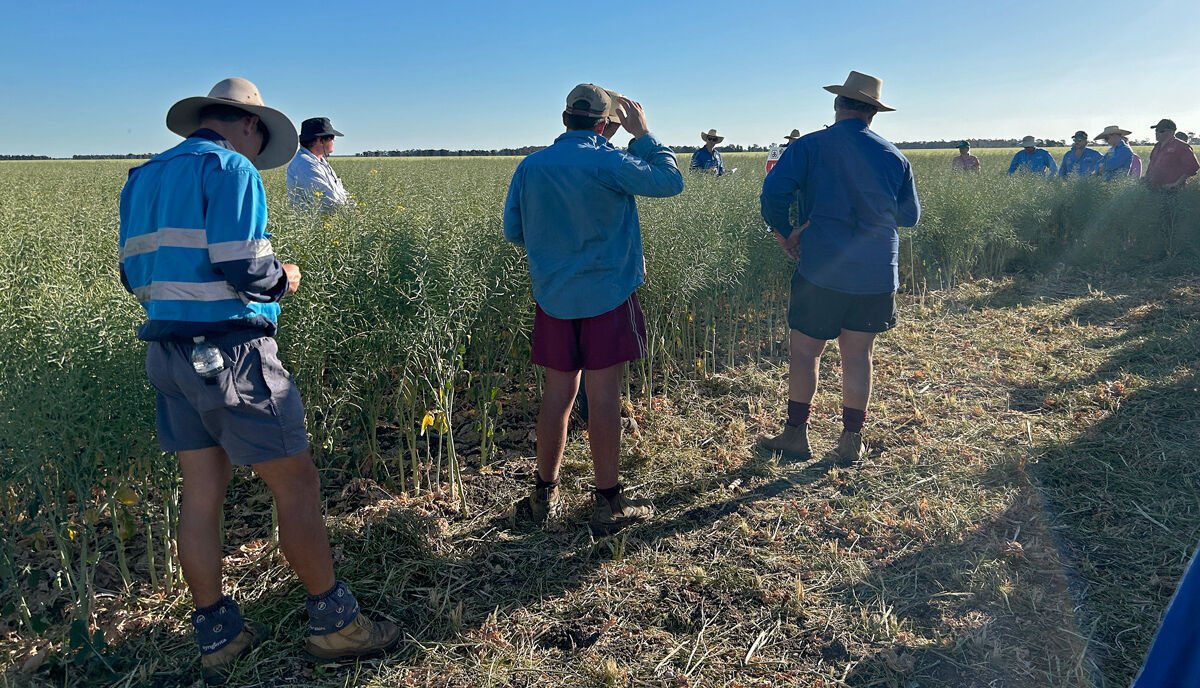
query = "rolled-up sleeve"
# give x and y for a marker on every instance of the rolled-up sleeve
(779, 188)
(649, 169)
(239, 247)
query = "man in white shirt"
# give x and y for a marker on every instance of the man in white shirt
(310, 177)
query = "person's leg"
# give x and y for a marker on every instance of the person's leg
(604, 422)
(206, 474)
(804, 361)
(856, 349)
(294, 482)
(558, 393)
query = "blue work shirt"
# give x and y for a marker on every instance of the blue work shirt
(1080, 163)
(194, 246)
(571, 206)
(1174, 656)
(1038, 162)
(704, 161)
(854, 189)
(1117, 161)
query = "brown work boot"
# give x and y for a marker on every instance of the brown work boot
(361, 637)
(792, 443)
(609, 516)
(542, 504)
(850, 449)
(215, 666)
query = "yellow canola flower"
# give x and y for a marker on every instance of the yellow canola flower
(427, 421)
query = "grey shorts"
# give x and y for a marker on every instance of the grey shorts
(252, 409)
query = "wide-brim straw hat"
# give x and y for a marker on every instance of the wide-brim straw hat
(794, 135)
(184, 118)
(711, 134)
(864, 88)
(1110, 130)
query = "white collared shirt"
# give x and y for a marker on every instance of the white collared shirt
(308, 175)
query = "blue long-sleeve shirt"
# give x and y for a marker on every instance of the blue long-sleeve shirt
(1080, 163)
(193, 243)
(1174, 656)
(704, 161)
(1117, 161)
(854, 189)
(572, 207)
(1038, 162)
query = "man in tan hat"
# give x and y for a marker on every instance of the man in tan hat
(1118, 162)
(195, 252)
(708, 159)
(854, 189)
(795, 134)
(1033, 160)
(1172, 161)
(571, 206)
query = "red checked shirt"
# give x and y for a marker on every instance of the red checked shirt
(1171, 161)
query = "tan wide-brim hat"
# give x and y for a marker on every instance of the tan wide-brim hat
(184, 118)
(862, 87)
(711, 134)
(1110, 130)
(1029, 142)
(794, 135)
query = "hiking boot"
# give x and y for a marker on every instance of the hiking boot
(361, 637)
(542, 504)
(610, 516)
(792, 443)
(215, 666)
(850, 449)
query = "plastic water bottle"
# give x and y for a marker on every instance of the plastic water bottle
(207, 360)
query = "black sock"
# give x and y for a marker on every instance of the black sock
(853, 419)
(798, 413)
(542, 484)
(610, 493)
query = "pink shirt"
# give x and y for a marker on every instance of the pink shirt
(965, 163)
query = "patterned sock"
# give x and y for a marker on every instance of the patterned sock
(798, 413)
(330, 612)
(217, 625)
(853, 419)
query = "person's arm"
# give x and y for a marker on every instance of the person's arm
(1062, 170)
(650, 168)
(1013, 166)
(312, 184)
(239, 248)
(908, 207)
(1051, 164)
(514, 231)
(720, 164)
(779, 188)
(695, 163)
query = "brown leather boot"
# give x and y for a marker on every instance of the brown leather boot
(215, 666)
(610, 517)
(791, 444)
(361, 637)
(850, 449)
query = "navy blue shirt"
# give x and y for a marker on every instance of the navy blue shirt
(854, 189)
(704, 161)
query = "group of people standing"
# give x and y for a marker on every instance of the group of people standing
(1172, 161)
(195, 252)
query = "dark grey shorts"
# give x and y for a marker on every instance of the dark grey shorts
(252, 409)
(824, 313)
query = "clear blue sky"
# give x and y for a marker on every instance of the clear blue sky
(97, 76)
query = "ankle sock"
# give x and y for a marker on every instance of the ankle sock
(853, 419)
(332, 611)
(610, 493)
(542, 484)
(217, 625)
(798, 413)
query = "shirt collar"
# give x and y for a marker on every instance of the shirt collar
(210, 135)
(851, 123)
(582, 134)
(309, 154)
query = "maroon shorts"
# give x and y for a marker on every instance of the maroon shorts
(601, 341)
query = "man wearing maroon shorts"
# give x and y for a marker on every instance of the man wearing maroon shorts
(572, 207)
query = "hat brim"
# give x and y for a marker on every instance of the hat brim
(840, 90)
(1104, 135)
(184, 119)
(704, 136)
